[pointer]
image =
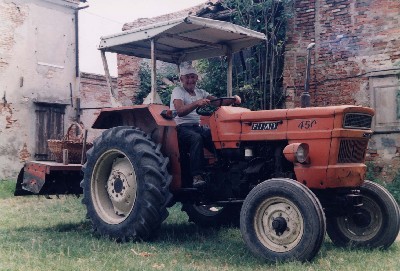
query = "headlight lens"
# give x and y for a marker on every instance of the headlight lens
(302, 153)
(297, 153)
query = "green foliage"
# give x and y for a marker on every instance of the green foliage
(394, 188)
(252, 97)
(263, 15)
(214, 81)
(371, 173)
(145, 83)
(258, 71)
(214, 73)
(165, 73)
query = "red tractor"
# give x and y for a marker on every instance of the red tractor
(286, 175)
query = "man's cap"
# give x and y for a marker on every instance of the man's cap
(187, 68)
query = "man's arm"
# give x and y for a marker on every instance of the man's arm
(238, 100)
(183, 109)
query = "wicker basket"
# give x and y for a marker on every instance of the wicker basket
(73, 145)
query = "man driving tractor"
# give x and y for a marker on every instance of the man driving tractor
(185, 99)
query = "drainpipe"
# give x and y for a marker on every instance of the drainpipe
(77, 40)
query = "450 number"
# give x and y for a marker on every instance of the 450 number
(307, 124)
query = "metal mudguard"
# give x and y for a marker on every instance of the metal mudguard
(49, 178)
(146, 117)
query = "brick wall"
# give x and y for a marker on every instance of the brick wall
(94, 95)
(357, 49)
(94, 90)
(128, 67)
(353, 38)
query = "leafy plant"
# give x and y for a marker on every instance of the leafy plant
(394, 188)
(213, 76)
(166, 81)
(257, 72)
(371, 173)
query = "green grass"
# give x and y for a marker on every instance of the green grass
(6, 189)
(52, 234)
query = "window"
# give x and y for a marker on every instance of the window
(385, 99)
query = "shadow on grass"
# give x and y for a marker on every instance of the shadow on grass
(217, 244)
(184, 232)
(72, 227)
(83, 227)
(214, 243)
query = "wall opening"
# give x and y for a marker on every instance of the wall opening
(385, 99)
(49, 125)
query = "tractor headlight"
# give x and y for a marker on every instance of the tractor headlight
(302, 153)
(297, 153)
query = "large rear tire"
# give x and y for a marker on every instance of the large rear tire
(282, 220)
(375, 226)
(126, 185)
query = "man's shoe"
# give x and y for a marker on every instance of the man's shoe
(198, 181)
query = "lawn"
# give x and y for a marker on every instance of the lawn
(37, 233)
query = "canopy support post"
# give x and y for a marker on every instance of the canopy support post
(229, 74)
(153, 96)
(108, 79)
(153, 71)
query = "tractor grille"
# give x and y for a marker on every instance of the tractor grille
(357, 121)
(352, 150)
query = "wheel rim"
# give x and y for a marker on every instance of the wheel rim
(279, 224)
(351, 227)
(113, 187)
(208, 210)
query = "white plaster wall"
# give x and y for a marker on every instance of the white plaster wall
(37, 63)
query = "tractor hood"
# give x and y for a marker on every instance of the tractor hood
(183, 39)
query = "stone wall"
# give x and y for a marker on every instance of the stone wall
(355, 61)
(37, 67)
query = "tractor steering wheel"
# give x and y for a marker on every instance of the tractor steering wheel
(208, 109)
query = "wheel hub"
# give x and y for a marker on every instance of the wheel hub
(279, 224)
(116, 186)
(363, 225)
(362, 219)
(121, 187)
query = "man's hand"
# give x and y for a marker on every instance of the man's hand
(202, 102)
(238, 99)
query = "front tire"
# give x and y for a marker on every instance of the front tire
(282, 220)
(126, 185)
(375, 226)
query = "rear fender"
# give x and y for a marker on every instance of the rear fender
(148, 118)
(145, 117)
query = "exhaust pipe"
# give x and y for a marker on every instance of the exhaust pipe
(305, 96)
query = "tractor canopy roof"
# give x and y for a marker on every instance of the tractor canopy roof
(183, 39)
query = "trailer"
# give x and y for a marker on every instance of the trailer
(49, 178)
